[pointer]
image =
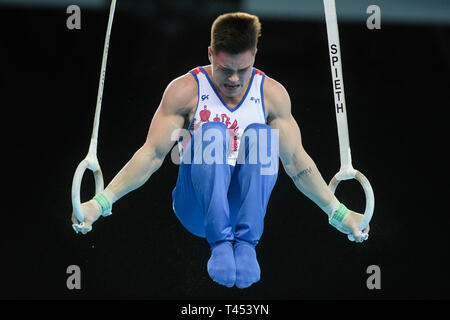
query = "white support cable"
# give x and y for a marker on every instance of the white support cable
(346, 171)
(91, 161)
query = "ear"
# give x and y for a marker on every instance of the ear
(210, 54)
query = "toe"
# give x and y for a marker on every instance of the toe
(221, 266)
(243, 285)
(247, 267)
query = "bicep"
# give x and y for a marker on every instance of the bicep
(163, 125)
(170, 116)
(290, 140)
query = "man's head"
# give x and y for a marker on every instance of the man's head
(234, 39)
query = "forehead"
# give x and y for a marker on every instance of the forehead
(234, 61)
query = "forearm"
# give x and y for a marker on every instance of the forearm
(135, 173)
(307, 178)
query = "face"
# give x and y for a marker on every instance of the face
(230, 72)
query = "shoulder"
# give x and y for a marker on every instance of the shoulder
(276, 99)
(180, 95)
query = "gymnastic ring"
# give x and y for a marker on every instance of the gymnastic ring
(368, 191)
(91, 164)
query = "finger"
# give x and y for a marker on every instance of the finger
(74, 219)
(365, 234)
(362, 237)
(86, 230)
(81, 227)
(76, 224)
(367, 229)
(86, 227)
(357, 235)
(76, 227)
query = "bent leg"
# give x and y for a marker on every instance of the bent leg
(257, 173)
(185, 204)
(211, 176)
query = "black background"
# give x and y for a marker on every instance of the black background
(397, 92)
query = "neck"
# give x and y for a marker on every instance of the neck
(230, 101)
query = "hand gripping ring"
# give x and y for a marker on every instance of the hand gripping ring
(91, 164)
(370, 199)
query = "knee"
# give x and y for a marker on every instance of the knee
(258, 126)
(257, 131)
(261, 135)
(214, 125)
(216, 131)
(259, 144)
(211, 143)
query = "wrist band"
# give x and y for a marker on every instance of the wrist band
(340, 213)
(104, 203)
(330, 208)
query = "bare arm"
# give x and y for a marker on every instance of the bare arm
(179, 97)
(169, 116)
(298, 164)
